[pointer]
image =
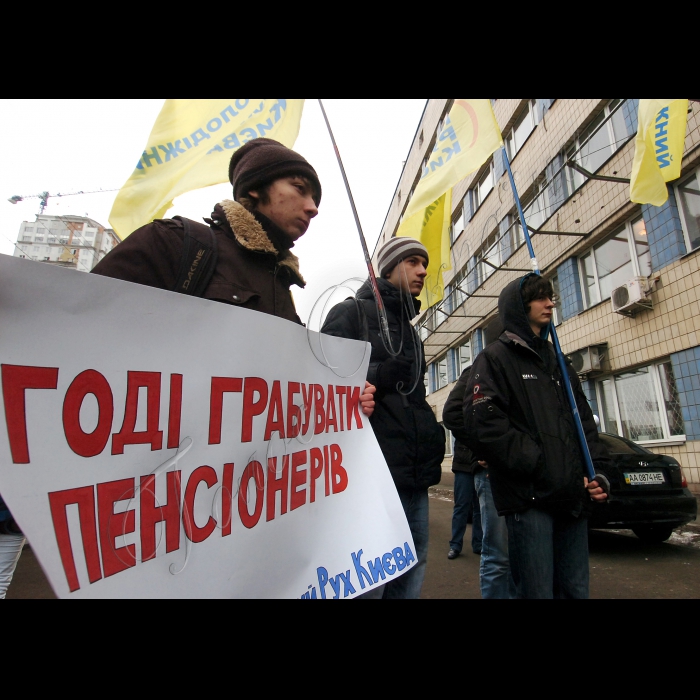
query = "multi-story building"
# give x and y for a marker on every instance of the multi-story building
(69, 241)
(626, 275)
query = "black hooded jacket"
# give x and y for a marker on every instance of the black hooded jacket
(518, 419)
(408, 433)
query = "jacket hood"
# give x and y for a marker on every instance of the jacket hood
(250, 233)
(390, 294)
(512, 312)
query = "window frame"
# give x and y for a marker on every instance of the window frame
(532, 113)
(575, 179)
(477, 199)
(628, 226)
(684, 223)
(656, 381)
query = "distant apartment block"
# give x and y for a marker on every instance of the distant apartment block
(77, 242)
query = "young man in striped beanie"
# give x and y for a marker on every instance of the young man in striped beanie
(410, 437)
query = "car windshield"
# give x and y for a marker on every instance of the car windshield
(618, 445)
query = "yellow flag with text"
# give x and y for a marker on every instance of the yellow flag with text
(469, 136)
(190, 147)
(658, 149)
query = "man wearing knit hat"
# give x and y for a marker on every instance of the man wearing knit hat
(243, 256)
(411, 439)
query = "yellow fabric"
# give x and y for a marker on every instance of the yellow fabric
(431, 226)
(190, 147)
(469, 136)
(658, 149)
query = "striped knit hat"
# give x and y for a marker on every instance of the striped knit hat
(396, 250)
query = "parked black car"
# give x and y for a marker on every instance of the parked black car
(649, 493)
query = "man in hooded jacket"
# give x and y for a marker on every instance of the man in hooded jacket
(517, 418)
(411, 439)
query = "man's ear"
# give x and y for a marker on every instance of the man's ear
(255, 195)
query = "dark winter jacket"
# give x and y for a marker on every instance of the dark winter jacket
(254, 267)
(518, 418)
(463, 459)
(408, 433)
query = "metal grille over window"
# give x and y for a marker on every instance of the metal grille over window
(689, 195)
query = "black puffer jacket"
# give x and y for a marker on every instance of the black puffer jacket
(463, 459)
(518, 417)
(411, 439)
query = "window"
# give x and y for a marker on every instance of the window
(448, 441)
(457, 227)
(35, 249)
(522, 129)
(39, 239)
(688, 195)
(439, 371)
(556, 311)
(464, 356)
(426, 383)
(597, 142)
(90, 234)
(29, 229)
(483, 186)
(641, 404)
(52, 239)
(26, 238)
(621, 256)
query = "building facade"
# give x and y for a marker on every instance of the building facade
(77, 242)
(626, 275)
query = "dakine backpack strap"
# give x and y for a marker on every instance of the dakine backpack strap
(199, 255)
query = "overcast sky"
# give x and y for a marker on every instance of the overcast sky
(83, 145)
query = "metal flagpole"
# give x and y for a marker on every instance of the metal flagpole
(592, 476)
(383, 321)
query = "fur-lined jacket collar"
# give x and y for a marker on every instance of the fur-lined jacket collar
(250, 234)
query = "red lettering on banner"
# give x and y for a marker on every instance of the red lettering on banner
(15, 379)
(253, 470)
(319, 410)
(275, 415)
(220, 386)
(84, 498)
(127, 435)
(88, 444)
(307, 394)
(174, 411)
(327, 470)
(194, 533)
(298, 478)
(353, 406)
(151, 512)
(113, 525)
(252, 408)
(275, 484)
(316, 469)
(227, 500)
(293, 411)
(340, 391)
(339, 475)
(330, 411)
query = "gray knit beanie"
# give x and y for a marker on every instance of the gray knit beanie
(396, 250)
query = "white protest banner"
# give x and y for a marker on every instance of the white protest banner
(158, 446)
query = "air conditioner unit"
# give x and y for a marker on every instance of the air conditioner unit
(587, 360)
(632, 296)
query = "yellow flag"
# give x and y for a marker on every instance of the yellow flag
(658, 149)
(469, 136)
(190, 146)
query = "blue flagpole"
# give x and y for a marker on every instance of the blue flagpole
(592, 476)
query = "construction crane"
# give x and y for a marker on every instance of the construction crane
(44, 197)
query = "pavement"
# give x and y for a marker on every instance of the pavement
(621, 565)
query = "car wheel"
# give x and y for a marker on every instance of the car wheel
(654, 534)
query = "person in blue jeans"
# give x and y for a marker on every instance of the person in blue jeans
(463, 465)
(495, 580)
(466, 506)
(517, 418)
